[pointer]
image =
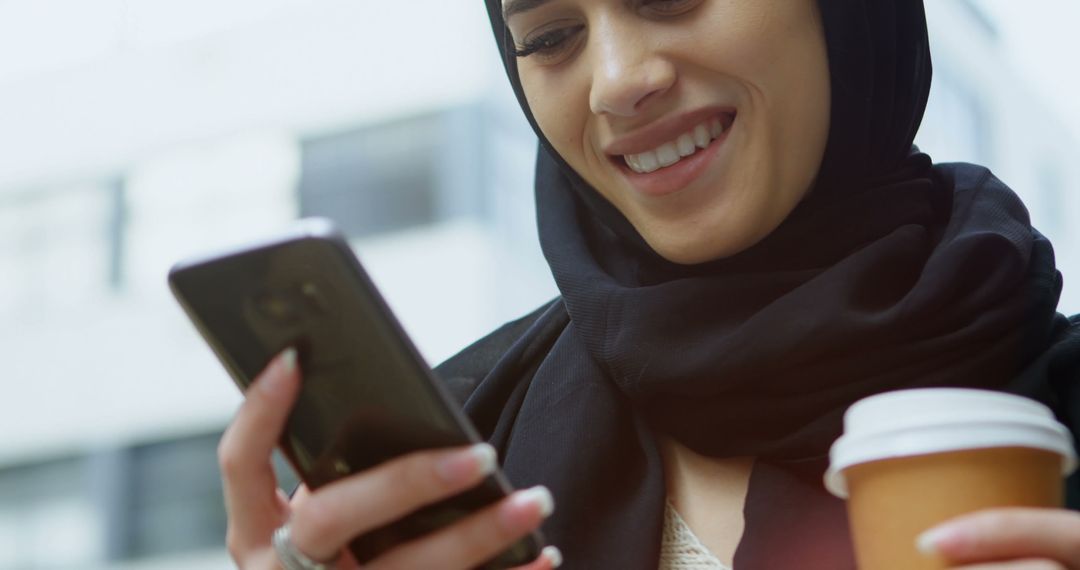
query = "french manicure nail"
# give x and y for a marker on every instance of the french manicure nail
(541, 497)
(272, 380)
(478, 460)
(553, 555)
(288, 359)
(927, 542)
(487, 460)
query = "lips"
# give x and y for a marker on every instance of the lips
(669, 155)
(672, 152)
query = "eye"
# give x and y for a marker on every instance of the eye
(668, 7)
(549, 44)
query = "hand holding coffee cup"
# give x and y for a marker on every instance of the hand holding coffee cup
(912, 459)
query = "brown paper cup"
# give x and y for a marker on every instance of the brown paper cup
(912, 459)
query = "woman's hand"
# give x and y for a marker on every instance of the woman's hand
(1008, 539)
(325, 521)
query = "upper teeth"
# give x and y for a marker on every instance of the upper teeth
(669, 153)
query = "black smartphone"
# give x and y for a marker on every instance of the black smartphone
(367, 394)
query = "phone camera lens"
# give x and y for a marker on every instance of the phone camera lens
(277, 307)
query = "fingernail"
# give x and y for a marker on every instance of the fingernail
(487, 460)
(272, 378)
(288, 359)
(553, 555)
(518, 513)
(539, 496)
(929, 542)
(479, 460)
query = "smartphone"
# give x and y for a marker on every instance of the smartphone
(367, 394)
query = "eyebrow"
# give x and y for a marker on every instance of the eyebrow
(514, 7)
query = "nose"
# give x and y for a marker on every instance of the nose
(627, 72)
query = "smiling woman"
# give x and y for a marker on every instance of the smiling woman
(703, 122)
(746, 242)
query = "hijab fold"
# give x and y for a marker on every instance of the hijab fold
(893, 273)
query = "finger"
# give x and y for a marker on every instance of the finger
(300, 496)
(476, 539)
(347, 561)
(282, 501)
(244, 452)
(1016, 565)
(324, 523)
(1007, 534)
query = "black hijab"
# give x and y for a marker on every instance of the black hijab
(893, 273)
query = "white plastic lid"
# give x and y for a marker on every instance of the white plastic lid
(935, 420)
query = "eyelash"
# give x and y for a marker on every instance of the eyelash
(549, 43)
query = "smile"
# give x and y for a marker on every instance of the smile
(672, 152)
(668, 156)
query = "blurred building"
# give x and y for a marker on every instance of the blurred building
(135, 133)
(983, 111)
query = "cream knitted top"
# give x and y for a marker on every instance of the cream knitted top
(680, 549)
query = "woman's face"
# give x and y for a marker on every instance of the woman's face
(703, 121)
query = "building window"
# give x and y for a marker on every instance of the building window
(175, 498)
(175, 502)
(392, 176)
(48, 518)
(47, 237)
(146, 501)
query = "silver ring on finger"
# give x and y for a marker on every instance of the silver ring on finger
(291, 558)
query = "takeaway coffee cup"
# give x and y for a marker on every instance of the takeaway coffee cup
(911, 459)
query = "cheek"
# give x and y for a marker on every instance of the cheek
(778, 53)
(735, 37)
(560, 110)
(802, 100)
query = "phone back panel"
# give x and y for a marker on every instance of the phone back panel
(367, 395)
(363, 382)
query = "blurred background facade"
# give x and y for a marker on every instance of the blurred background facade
(134, 133)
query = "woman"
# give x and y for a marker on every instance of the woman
(746, 242)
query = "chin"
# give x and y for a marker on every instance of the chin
(694, 252)
(720, 240)
(689, 258)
